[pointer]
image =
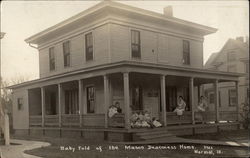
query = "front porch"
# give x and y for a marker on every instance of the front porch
(84, 103)
(81, 99)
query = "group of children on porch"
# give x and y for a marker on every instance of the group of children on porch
(143, 118)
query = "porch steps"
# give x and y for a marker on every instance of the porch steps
(152, 135)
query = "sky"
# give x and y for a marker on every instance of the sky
(22, 19)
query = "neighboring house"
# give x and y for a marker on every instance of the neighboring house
(113, 53)
(233, 57)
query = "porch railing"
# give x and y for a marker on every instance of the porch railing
(173, 118)
(35, 120)
(118, 120)
(93, 120)
(51, 120)
(228, 115)
(70, 120)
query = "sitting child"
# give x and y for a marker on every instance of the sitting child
(156, 123)
(112, 111)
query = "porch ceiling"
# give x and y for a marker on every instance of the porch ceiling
(200, 75)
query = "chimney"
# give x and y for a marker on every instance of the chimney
(168, 11)
(241, 39)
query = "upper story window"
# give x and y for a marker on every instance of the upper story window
(135, 44)
(52, 59)
(66, 53)
(186, 52)
(89, 46)
(231, 56)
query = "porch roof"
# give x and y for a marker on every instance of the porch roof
(132, 66)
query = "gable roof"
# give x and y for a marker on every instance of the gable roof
(243, 46)
(204, 30)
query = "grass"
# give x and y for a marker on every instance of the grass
(177, 150)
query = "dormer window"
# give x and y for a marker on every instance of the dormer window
(51, 59)
(186, 52)
(135, 44)
(89, 46)
(66, 53)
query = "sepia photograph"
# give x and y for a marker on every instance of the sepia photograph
(124, 79)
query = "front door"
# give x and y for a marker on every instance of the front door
(137, 103)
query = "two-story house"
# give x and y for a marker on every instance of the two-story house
(233, 57)
(115, 53)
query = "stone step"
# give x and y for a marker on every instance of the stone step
(149, 137)
(158, 132)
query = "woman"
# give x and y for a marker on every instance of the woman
(181, 105)
(201, 108)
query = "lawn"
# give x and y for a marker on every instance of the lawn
(81, 148)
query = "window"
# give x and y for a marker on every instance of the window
(231, 56)
(211, 98)
(66, 53)
(20, 104)
(90, 99)
(71, 102)
(232, 97)
(186, 52)
(135, 44)
(51, 59)
(89, 46)
(231, 68)
(247, 68)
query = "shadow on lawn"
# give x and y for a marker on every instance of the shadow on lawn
(81, 148)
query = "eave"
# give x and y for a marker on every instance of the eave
(140, 67)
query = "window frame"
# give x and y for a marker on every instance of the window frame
(19, 104)
(135, 54)
(66, 54)
(52, 62)
(186, 52)
(230, 97)
(90, 47)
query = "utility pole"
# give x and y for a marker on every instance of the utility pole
(1, 106)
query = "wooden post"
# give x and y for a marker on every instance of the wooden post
(126, 99)
(191, 97)
(163, 99)
(106, 98)
(6, 129)
(80, 101)
(237, 100)
(60, 104)
(43, 105)
(216, 100)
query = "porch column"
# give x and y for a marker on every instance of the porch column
(237, 100)
(191, 97)
(199, 91)
(126, 99)
(163, 99)
(43, 105)
(80, 86)
(106, 98)
(60, 104)
(216, 100)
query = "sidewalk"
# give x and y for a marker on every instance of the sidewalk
(16, 151)
(174, 139)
